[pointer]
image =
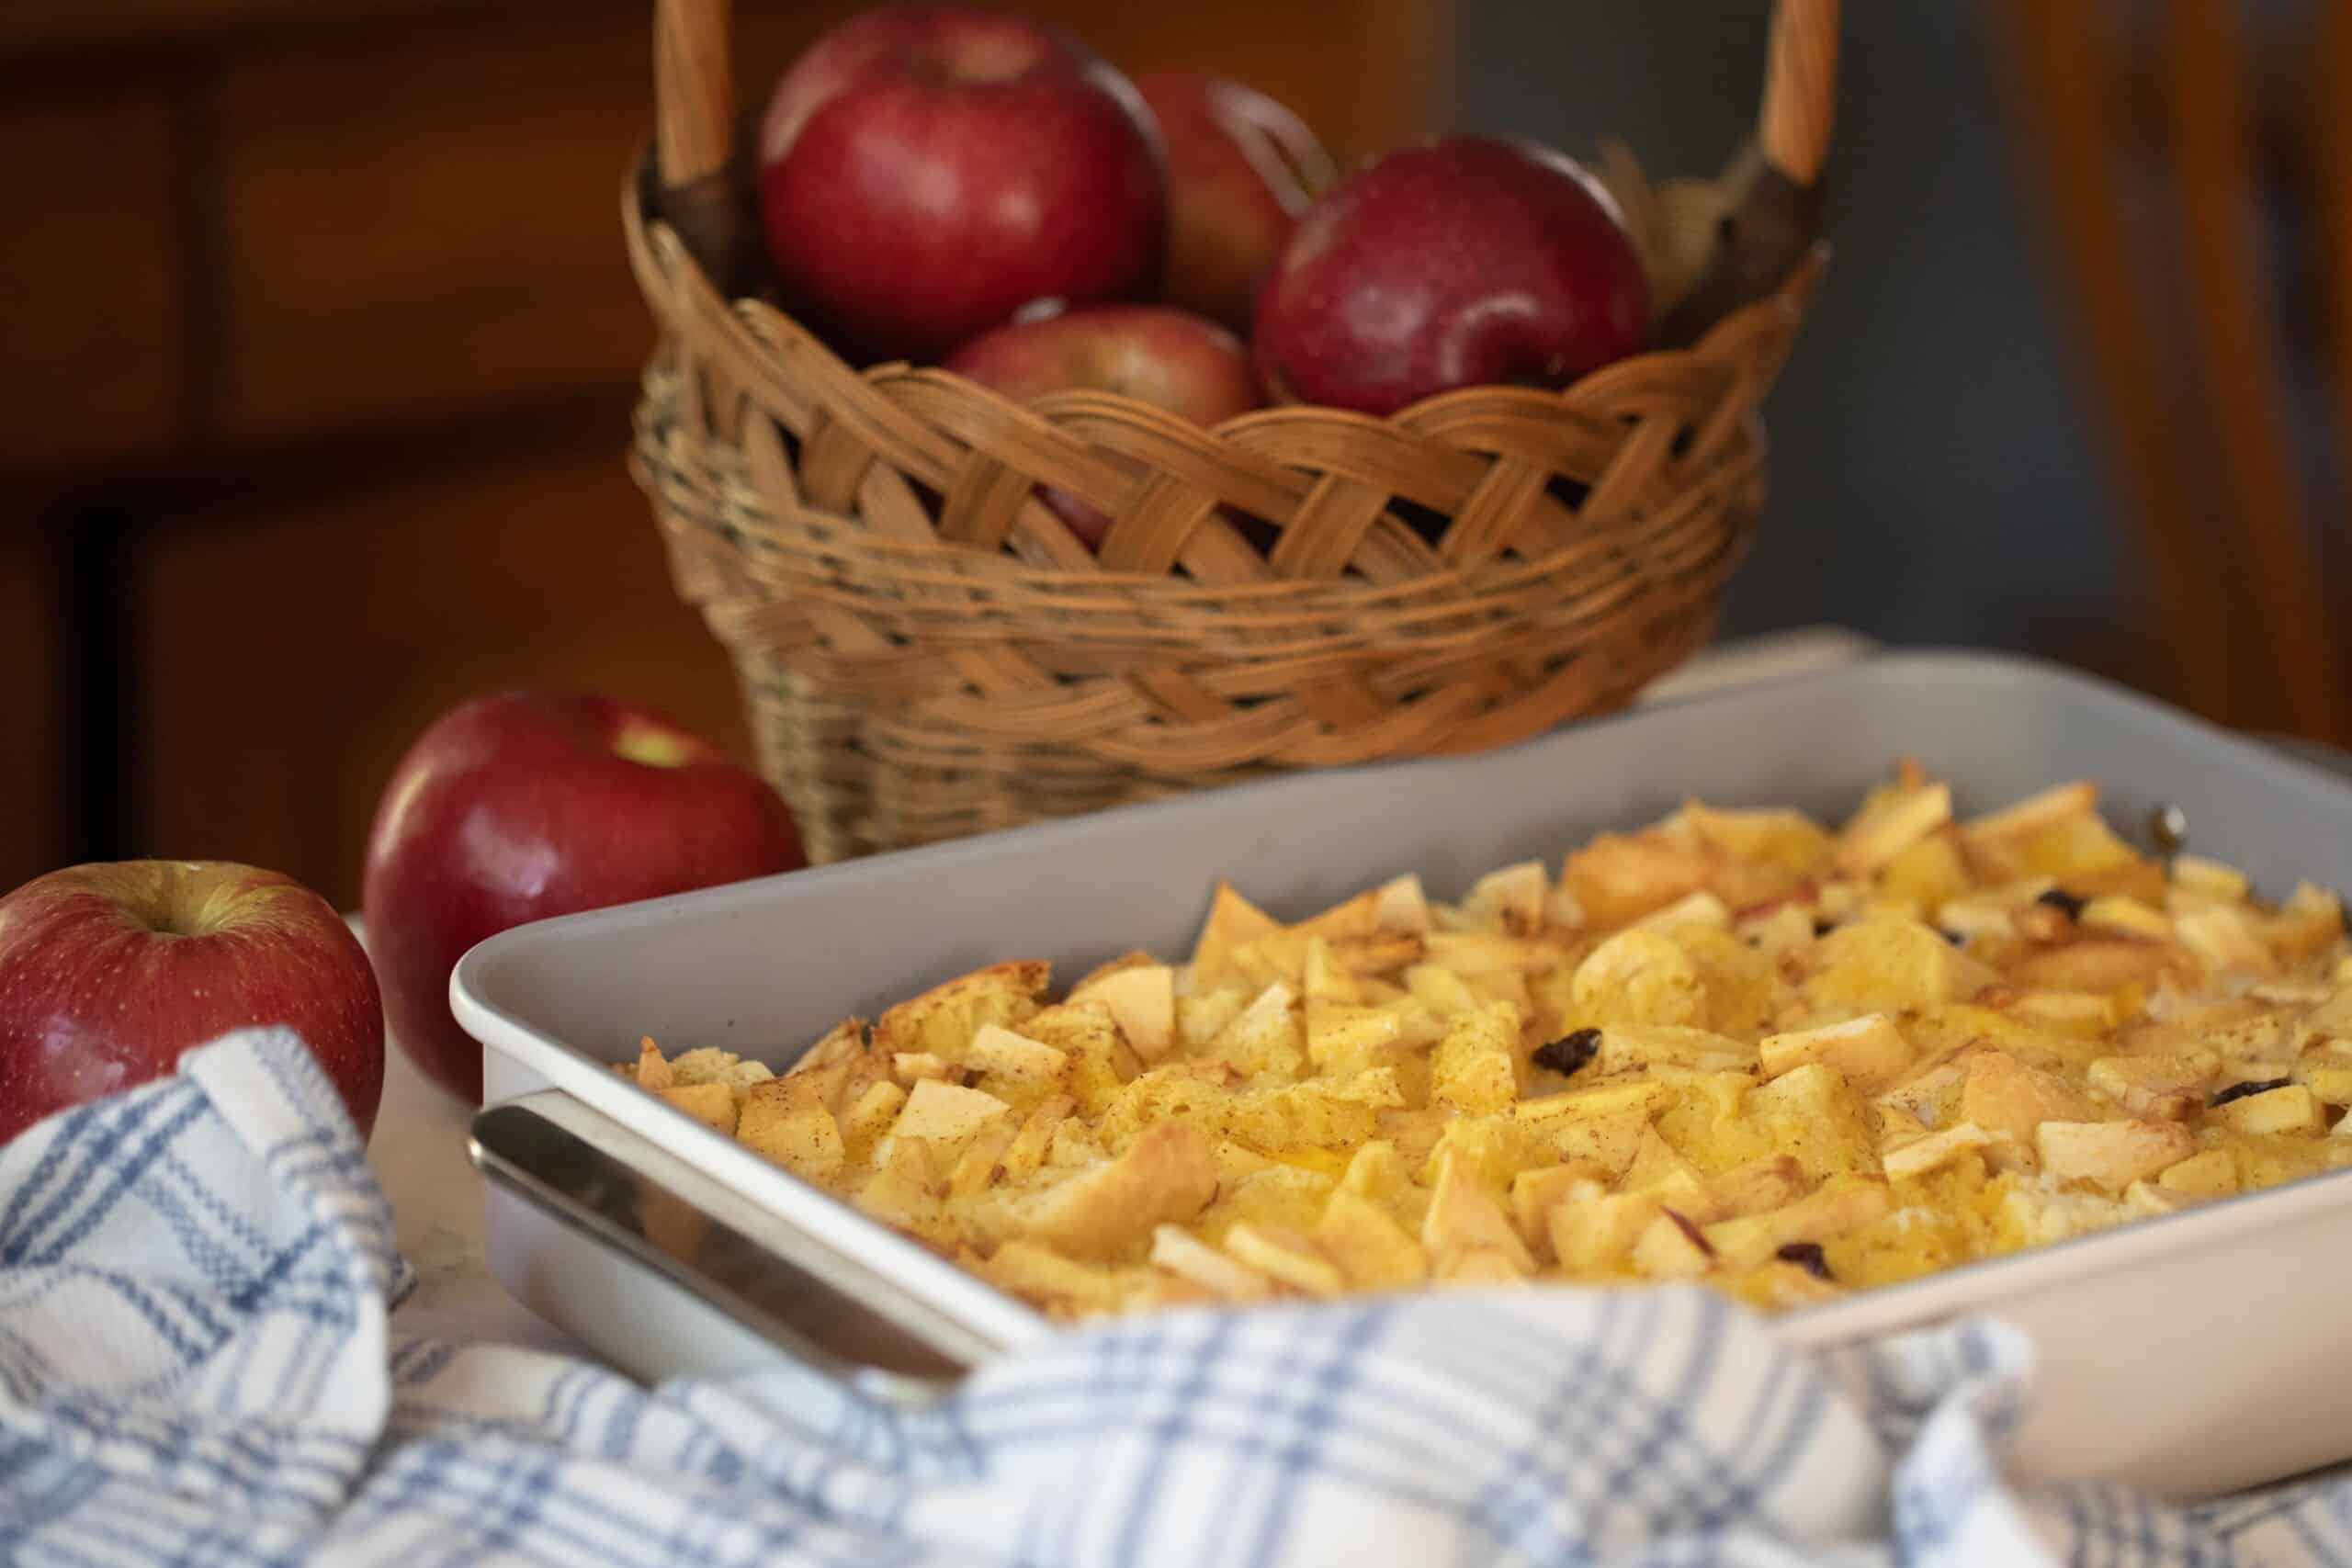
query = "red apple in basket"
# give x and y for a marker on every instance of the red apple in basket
(524, 805)
(925, 171)
(1240, 170)
(1169, 358)
(1470, 261)
(108, 972)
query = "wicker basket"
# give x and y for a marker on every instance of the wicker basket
(926, 650)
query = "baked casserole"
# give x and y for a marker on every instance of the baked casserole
(1734, 1047)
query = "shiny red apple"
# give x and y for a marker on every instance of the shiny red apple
(1240, 170)
(1169, 358)
(1470, 261)
(925, 171)
(524, 805)
(108, 972)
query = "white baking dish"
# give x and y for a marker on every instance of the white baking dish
(2187, 1354)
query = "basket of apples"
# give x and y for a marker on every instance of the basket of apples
(1037, 441)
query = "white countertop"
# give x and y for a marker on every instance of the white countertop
(419, 1148)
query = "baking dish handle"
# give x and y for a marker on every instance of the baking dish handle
(625, 1194)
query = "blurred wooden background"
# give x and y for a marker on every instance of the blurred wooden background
(321, 347)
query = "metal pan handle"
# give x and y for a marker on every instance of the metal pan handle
(625, 1193)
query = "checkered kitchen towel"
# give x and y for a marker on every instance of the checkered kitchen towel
(199, 1365)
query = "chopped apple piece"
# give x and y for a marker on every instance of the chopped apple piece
(1372, 1249)
(2209, 876)
(1285, 1256)
(786, 1120)
(1166, 1175)
(1842, 1204)
(999, 1050)
(1402, 906)
(1672, 1246)
(2169, 1087)
(1894, 820)
(1180, 1252)
(2113, 1155)
(1461, 1217)
(1142, 1001)
(2116, 916)
(1591, 1236)
(2035, 812)
(1935, 1150)
(2289, 1108)
(1870, 1050)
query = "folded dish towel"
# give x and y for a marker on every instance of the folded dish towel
(199, 1365)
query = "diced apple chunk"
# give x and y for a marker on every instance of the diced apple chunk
(2168, 1087)
(1842, 1204)
(1402, 907)
(1471, 1069)
(1700, 908)
(2212, 1174)
(2330, 1081)
(1869, 1051)
(2035, 812)
(2225, 939)
(2289, 1108)
(1286, 1257)
(1510, 899)
(2209, 876)
(1769, 1182)
(1462, 1217)
(1372, 1249)
(2113, 1155)
(1184, 1255)
(2116, 916)
(786, 1120)
(999, 1050)
(1590, 1237)
(1167, 1176)
(1535, 1193)
(1672, 1247)
(1142, 1001)
(1935, 1150)
(712, 1104)
(1895, 821)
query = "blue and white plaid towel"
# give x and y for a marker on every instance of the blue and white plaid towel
(199, 1365)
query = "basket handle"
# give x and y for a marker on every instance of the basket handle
(1800, 107)
(694, 134)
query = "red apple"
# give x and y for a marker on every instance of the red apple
(925, 171)
(1471, 261)
(1168, 359)
(524, 805)
(1240, 170)
(108, 972)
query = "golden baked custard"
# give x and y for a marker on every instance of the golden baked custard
(1733, 1046)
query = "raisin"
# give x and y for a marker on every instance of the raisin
(1823, 927)
(2240, 1091)
(1569, 1052)
(1805, 1255)
(1955, 938)
(2064, 902)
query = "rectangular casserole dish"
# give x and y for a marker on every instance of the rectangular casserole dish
(2182, 1354)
